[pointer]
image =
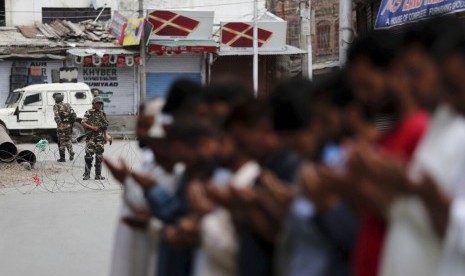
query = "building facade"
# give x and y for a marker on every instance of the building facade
(325, 33)
(323, 27)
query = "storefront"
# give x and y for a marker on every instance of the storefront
(112, 71)
(235, 57)
(162, 71)
(18, 73)
(179, 47)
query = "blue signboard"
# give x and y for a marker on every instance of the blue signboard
(398, 12)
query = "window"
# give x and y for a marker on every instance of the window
(74, 15)
(13, 98)
(323, 32)
(33, 100)
(79, 97)
(336, 35)
(2, 13)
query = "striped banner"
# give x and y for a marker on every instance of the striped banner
(167, 23)
(240, 35)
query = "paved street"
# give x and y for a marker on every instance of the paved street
(63, 225)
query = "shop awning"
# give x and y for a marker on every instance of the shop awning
(289, 50)
(83, 52)
(33, 56)
(182, 46)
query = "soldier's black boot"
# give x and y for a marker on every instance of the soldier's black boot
(88, 159)
(71, 153)
(98, 169)
(62, 156)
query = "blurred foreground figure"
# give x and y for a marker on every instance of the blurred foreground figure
(137, 235)
(426, 235)
(389, 117)
(409, 227)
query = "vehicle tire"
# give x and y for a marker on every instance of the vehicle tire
(78, 130)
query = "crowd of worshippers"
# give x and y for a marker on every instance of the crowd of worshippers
(361, 172)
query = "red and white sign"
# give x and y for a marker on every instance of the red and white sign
(188, 25)
(239, 35)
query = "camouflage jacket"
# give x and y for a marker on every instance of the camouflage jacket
(64, 113)
(96, 118)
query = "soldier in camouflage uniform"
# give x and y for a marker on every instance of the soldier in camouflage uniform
(95, 121)
(64, 117)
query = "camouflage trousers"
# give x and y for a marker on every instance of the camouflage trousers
(64, 134)
(94, 146)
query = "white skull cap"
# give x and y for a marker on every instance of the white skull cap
(153, 108)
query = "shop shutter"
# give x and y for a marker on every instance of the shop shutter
(5, 72)
(158, 84)
(119, 86)
(183, 63)
(162, 71)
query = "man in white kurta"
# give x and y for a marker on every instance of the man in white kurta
(412, 246)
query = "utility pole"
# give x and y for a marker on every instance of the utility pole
(345, 29)
(142, 83)
(309, 42)
(306, 35)
(255, 48)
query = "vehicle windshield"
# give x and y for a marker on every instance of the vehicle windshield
(13, 98)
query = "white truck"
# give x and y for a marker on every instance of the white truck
(29, 110)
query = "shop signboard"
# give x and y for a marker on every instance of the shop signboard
(398, 12)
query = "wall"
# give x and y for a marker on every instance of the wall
(27, 12)
(225, 10)
(326, 13)
(5, 73)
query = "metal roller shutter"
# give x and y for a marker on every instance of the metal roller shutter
(162, 71)
(5, 71)
(119, 86)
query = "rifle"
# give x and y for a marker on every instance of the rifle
(81, 137)
(104, 127)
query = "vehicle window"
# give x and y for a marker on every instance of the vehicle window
(51, 95)
(79, 97)
(13, 98)
(33, 100)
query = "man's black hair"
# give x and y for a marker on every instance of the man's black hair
(379, 47)
(229, 92)
(431, 33)
(248, 114)
(184, 95)
(334, 88)
(452, 40)
(290, 105)
(189, 131)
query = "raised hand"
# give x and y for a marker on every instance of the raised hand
(321, 193)
(145, 181)
(198, 198)
(120, 172)
(281, 193)
(140, 219)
